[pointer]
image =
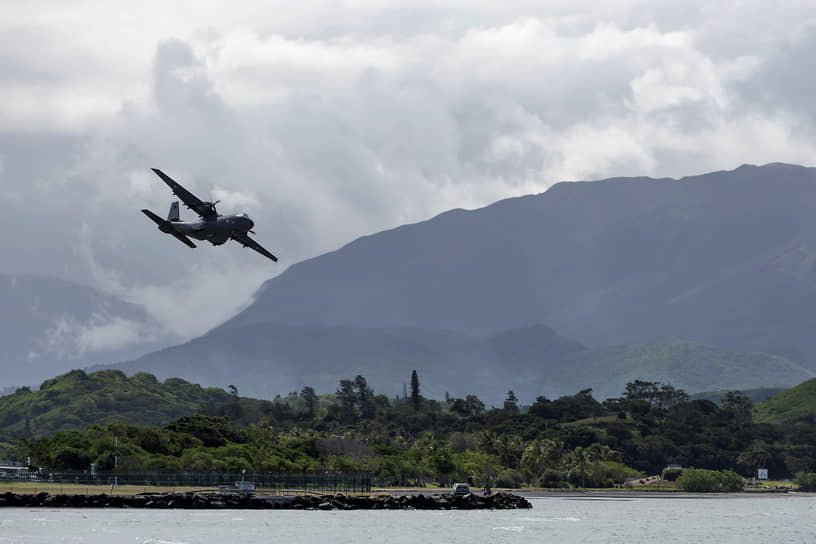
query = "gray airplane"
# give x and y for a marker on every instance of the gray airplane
(212, 227)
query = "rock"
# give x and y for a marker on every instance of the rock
(204, 500)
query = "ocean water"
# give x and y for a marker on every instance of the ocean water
(737, 519)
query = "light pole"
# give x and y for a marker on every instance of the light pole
(115, 457)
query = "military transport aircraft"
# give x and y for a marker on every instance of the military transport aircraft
(212, 227)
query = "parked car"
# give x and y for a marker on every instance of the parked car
(460, 489)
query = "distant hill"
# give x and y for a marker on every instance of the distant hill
(50, 326)
(76, 400)
(726, 258)
(790, 406)
(691, 366)
(755, 395)
(265, 360)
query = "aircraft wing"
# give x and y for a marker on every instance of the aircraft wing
(190, 200)
(246, 241)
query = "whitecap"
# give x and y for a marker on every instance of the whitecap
(510, 528)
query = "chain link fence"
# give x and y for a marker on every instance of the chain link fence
(266, 483)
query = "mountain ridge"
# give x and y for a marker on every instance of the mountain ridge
(724, 258)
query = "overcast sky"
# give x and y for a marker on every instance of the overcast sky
(330, 120)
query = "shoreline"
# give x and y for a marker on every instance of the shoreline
(627, 493)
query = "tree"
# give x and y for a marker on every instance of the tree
(364, 396)
(758, 455)
(233, 410)
(442, 464)
(640, 390)
(578, 406)
(475, 405)
(511, 403)
(488, 443)
(415, 390)
(309, 397)
(540, 454)
(542, 407)
(509, 449)
(347, 397)
(578, 461)
(738, 406)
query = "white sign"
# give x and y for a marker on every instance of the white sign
(762, 474)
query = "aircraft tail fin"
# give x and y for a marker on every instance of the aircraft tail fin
(173, 215)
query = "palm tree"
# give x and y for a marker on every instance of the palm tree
(758, 455)
(579, 459)
(540, 454)
(510, 448)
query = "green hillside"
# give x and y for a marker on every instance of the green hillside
(691, 366)
(77, 399)
(794, 405)
(754, 395)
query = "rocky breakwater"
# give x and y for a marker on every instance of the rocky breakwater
(499, 501)
(221, 500)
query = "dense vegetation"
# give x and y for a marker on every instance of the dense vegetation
(795, 405)
(76, 400)
(805, 481)
(412, 440)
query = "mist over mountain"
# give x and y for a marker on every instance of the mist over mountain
(51, 326)
(264, 360)
(726, 258)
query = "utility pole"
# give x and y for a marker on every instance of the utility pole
(115, 457)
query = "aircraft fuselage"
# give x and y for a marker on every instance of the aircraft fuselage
(216, 230)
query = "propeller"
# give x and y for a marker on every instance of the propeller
(211, 205)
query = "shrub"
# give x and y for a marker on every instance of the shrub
(552, 478)
(701, 480)
(617, 473)
(805, 481)
(71, 459)
(509, 478)
(671, 474)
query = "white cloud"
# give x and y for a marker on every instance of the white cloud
(70, 338)
(234, 200)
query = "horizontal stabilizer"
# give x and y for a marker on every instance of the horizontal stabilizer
(156, 219)
(165, 226)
